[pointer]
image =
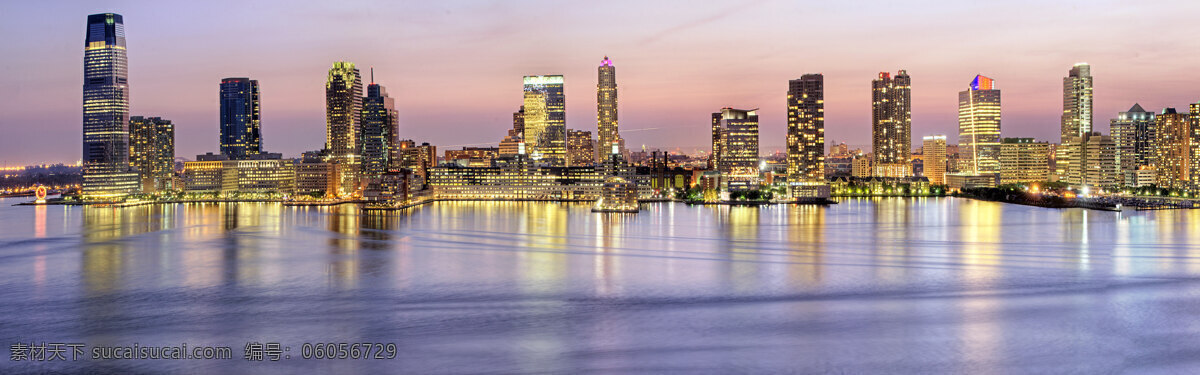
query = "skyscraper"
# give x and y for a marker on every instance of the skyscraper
(545, 118)
(1134, 133)
(240, 121)
(891, 124)
(933, 150)
(343, 122)
(979, 126)
(152, 151)
(606, 109)
(1076, 116)
(1077, 101)
(106, 169)
(380, 129)
(736, 148)
(806, 130)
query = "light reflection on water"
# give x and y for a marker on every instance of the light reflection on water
(867, 285)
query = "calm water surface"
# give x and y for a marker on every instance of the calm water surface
(866, 286)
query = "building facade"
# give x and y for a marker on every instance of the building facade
(1176, 143)
(1134, 133)
(544, 121)
(152, 152)
(380, 131)
(979, 126)
(106, 170)
(1024, 161)
(581, 148)
(343, 122)
(736, 148)
(806, 130)
(418, 159)
(241, 133)
(891, 124)
(933, 153)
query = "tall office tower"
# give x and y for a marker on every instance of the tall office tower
(806, 130)
(380, 129)
(891, 124)
(106, 172)
(933, 149)
(1174, 144)
(519, 121)
(240, 121)
(545, 118)
(1023, 161)
(606, 109)
(1077, 101)
(736, 148)
(979, 126)
(1133, 132)
(152, 152)
(343, 122)
(581, 149)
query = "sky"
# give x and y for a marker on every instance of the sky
(455, 67)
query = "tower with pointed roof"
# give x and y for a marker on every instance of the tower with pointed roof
(1133, 131)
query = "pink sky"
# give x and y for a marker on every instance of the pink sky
(455, 67)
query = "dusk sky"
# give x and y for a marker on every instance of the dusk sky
(455, 67)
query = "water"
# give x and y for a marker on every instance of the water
(939, 285)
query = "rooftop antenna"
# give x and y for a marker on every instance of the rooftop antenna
(372, 75)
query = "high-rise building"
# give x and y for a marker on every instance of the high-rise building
(343, 122)
(806, 130)
(1024, 161)
(1134, 133)
(418, 159)
(581, 148)
(1091, 160)
(1175, 145)
(933, 151)
(979, 126)
(1076, 117)
(1077, 101)
(380, 129)
(343, 111)
(240, 118)
(152, 152)
(736, 147)
(519, 121)
(606, 110)
(106, 169)
(545, 118)
(512, 144)
(891, 124)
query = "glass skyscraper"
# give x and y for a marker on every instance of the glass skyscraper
(545, 118)
(343, 122)
(106, 169)
(979, 126)
(380, 129)
(240, 121)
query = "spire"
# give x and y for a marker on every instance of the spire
(372, 75)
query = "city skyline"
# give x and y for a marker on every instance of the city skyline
(665, 87)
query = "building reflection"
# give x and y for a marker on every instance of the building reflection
(979, 236)
(739, 245)
(343, 268)
(806, 244)
(543, 262)
(891, 231)
(609, 244)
